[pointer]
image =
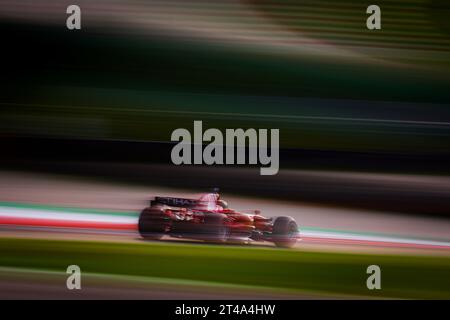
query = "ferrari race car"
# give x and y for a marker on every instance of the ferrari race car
(210, 219)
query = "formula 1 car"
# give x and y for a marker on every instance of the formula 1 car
(197, 219)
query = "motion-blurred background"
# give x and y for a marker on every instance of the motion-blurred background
(344, 98)
(364, 116)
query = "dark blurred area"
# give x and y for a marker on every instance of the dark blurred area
(364, 116)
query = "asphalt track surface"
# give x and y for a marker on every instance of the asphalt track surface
(60, 207)
(37, 284)
(34, 204)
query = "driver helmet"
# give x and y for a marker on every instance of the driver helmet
(222, 203)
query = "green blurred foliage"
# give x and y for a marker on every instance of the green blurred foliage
(404, 276)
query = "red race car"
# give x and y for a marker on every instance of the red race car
(210, 219)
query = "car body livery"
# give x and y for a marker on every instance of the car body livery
(209, 218)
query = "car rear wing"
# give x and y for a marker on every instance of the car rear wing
(176, 202)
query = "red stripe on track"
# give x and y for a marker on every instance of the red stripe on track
(66, 223)
(76, 224)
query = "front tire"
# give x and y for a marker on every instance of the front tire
(285, 232)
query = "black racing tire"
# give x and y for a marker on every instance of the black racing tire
(285, 232)
(151, 225)
(214, 228)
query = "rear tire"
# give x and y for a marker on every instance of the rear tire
(215, 228)
(151, 226)
(285, 232)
